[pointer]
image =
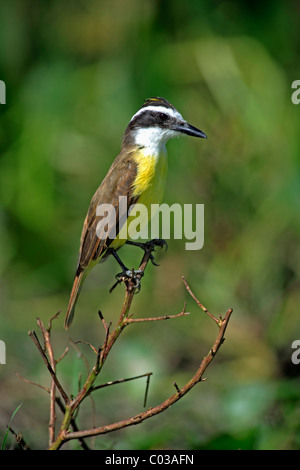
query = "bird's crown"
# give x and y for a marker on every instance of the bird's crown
(157, 101)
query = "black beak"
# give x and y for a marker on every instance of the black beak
(188, 129)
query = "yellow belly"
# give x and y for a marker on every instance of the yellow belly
(149, 187)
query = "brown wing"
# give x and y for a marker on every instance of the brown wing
(118, 182)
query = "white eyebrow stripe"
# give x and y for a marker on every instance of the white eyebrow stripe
(159, 109)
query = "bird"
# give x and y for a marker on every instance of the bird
(139, 175)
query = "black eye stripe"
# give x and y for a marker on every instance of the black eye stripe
(149, 118)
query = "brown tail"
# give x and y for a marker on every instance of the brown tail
(77, 284)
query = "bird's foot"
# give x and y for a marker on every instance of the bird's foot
(150, 246)
(127, 275)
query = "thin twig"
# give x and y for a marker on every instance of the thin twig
(49, 350)
(164, 317)
(33, 383)
(102, 320)
(89, 344)
(51, 320)
(147, 389)
(200, 304)
(36, 341)
(119, 381)
(63, 355)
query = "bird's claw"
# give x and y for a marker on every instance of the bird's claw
(130, 275)
(152, 244)
(156, 242)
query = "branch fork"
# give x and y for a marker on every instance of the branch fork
(69, 405)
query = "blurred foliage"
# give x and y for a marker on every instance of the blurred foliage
(75, 72)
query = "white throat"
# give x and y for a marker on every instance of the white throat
(153, 139)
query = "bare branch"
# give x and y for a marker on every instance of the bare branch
(51, 320)
(180, 392)
(48, 346)
(33, 383)
(89, 344)
(63, 355)
(147, 389)
(71, 406)
(200, 304)
(119, 381)
(36, 341)
(102, 320)
(164, 317)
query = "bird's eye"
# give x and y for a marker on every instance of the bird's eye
(163, 116)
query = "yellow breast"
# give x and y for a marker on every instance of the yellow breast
(148, 187)
(151, 177)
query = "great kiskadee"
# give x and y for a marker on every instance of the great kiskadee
(139, 174)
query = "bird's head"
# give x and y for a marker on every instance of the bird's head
(156, 122)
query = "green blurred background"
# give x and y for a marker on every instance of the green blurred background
(75, 72)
